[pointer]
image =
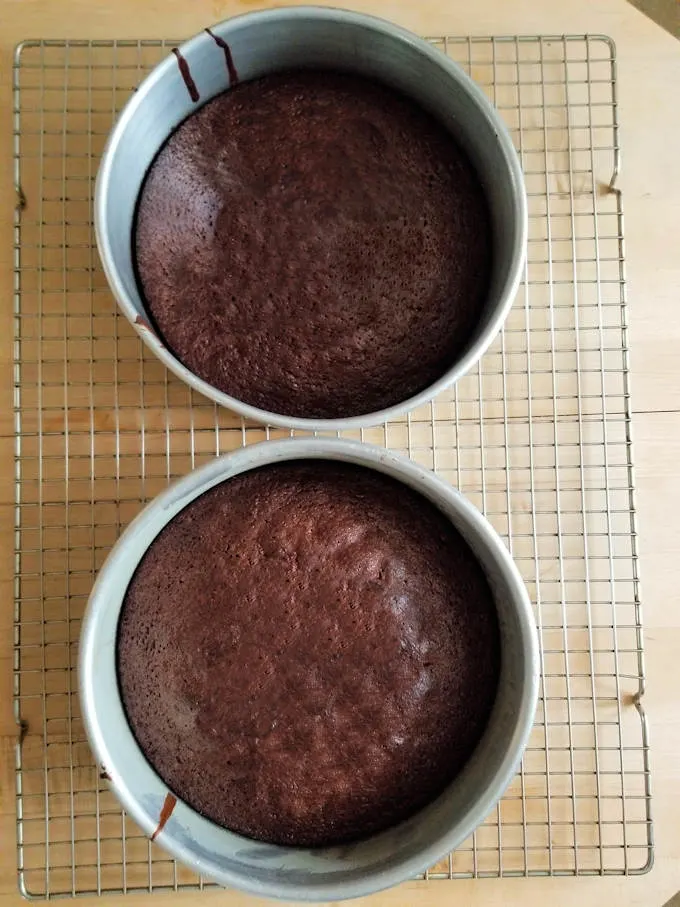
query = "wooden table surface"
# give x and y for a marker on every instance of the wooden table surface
(649, 76)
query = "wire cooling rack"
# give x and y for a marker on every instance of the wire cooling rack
(538, 436)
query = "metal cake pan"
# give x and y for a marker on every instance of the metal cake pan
(327, 873)
(313, 37)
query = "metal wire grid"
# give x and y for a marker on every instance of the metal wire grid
(538, 436)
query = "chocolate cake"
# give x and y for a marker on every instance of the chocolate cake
(308, 653)
(314, 244)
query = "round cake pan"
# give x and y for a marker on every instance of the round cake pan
(259, 43)
(327, 873)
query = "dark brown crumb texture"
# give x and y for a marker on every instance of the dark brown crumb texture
(314, 244)
(308, 653)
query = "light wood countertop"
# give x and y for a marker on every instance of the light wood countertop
(649, 78)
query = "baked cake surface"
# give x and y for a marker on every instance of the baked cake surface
(308, 653)
(314, 244)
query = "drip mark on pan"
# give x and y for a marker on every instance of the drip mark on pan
(231, 68)
(143, 323)
(186, 75)
(166, 812)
